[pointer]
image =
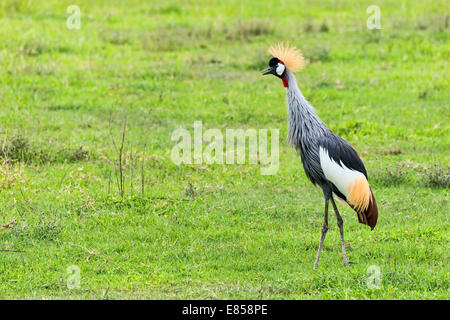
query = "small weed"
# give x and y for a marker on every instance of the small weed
(19, 149)
(65, 107)
(349, 127)
(423, 94)
(167, 39)
(357, 127)
(16, 148)
(190, 191)
(16, 6)
(308, 27)
(42, 230)
(73, 154)
(33, 48)
(11, 175)
(246, 29)
(394, 152)
(436, 176)
(172, 9)
(324, 27)
(374, 37)
(178, 37)
(319, 54)
(117, 37)
(391, 175)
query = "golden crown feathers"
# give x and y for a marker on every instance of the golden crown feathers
(289, 55)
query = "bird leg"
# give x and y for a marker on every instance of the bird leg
(324, 232)
(340, 224)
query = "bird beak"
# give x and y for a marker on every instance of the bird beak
(269, 70)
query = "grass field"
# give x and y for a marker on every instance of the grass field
(217, 231)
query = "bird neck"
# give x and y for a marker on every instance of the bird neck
(304, 124)
(285, 82)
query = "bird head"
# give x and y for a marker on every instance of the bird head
(276, 67)
(284, 57)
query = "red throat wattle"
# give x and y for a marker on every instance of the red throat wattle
(285, 82)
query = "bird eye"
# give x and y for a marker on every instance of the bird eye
(280, 69)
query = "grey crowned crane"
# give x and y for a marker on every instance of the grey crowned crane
(328, 160)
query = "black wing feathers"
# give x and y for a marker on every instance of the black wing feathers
(339, 150)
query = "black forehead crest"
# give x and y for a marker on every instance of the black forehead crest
(273, 62)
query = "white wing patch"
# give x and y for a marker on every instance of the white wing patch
(341, 176)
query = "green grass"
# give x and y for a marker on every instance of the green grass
(217, 231)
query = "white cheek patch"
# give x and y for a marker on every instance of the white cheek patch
(280, 69)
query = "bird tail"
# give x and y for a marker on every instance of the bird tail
(362, 200)
(369, 216)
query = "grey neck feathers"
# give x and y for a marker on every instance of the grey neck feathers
(305, 127)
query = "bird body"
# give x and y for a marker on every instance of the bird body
(328, 160)
(326, 157)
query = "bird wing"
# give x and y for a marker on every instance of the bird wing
(342, 153)
(342, 167)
